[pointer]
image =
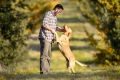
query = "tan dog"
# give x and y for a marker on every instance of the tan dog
(64, 46)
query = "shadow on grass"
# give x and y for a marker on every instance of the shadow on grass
(70, 20)
(88, 62)
(78, 39)
(85, 48)
(105, 75)
(36, 47)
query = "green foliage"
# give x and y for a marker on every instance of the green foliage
(112, 6)
(16, 17)
(114, 35)
(12, 35)
(36, 10)
(105, 15)
(109, 56)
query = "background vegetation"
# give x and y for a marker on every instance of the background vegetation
(104, 14)
(95, 38)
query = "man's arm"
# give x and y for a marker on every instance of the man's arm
(60, 29)
(57, 37)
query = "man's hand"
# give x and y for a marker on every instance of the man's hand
(60, 29)
(53, 31)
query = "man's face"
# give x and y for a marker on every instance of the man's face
(58, 11)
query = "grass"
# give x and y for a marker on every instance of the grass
(93, 73)
(29, 70)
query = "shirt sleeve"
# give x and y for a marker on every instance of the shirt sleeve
(46, 19)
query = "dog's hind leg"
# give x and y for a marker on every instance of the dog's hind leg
(71, 66)
(69, 69)
(73, 70)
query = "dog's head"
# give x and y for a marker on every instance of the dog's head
(68, 30)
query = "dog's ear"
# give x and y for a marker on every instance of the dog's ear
(66, 27)
(69, 30)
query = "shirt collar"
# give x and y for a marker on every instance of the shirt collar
(52, 11)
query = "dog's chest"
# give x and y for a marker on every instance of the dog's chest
(64, 43)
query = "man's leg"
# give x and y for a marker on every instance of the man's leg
(45, 48)
(49, 55)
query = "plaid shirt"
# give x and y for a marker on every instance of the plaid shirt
(49, 20)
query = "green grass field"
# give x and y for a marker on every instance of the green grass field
(29, 70)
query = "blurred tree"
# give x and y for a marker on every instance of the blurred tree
(105, 14)
(12, 34)
(37, 9)
(17, 19)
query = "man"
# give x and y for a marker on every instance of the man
(46, 37)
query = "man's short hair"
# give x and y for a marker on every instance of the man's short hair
(59, 6)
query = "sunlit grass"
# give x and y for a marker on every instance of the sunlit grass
(79, 44)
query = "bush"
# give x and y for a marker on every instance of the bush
(12, 35)
(105, 15)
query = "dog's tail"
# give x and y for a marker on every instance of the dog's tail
(80, 64)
